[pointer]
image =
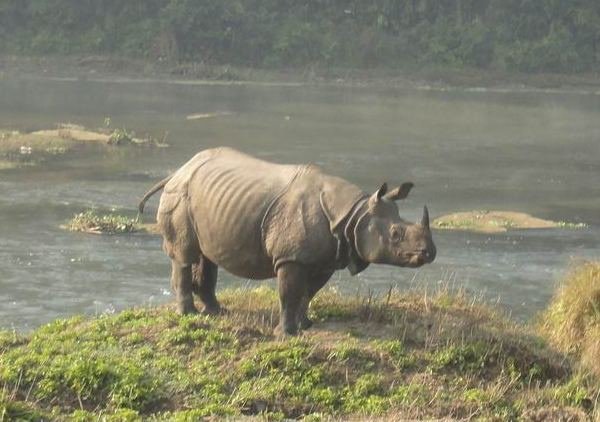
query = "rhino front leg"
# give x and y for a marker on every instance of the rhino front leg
(292, 279)
(316, 284)
(181, 281)
(204, 284)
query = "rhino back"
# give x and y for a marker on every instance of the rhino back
(229, 194)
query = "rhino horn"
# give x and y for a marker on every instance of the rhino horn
(425, 219)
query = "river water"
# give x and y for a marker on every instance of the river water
(535, 152)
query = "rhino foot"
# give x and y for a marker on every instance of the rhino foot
(281, 332)
(214, 310)
(306, 323)
(186, 309)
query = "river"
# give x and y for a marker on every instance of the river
(530, 151)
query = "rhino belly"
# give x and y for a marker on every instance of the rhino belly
(228, 207)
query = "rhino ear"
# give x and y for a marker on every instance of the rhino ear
(400, 192)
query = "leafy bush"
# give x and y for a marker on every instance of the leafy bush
(471, 44)
(555, 52)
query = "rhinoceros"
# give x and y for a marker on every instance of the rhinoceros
(260, 220)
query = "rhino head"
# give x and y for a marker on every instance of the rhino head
(381, 236)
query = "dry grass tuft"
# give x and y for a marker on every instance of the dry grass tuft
(572, 320)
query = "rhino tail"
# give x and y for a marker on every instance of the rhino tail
(152, 191)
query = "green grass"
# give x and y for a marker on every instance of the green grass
(571, 225)
(403, 355)
(91, 221)
(456, 225)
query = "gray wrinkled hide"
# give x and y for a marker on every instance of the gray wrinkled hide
(250, 216)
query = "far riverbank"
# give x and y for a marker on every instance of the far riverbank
(434, 78)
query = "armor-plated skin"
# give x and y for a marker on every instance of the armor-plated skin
(260, 220)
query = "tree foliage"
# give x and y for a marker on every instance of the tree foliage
(525, 35)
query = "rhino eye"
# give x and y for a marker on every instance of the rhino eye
(396, 234)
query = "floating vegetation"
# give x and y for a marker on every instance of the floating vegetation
(91, 222)
(497, 222)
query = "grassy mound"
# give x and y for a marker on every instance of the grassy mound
(497, 222)
(404, 355)
(18, 149)
(572, 321)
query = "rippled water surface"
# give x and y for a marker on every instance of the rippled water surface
(527, 151)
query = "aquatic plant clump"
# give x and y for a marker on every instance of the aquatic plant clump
(91, 222)
(120, 137)
(400, 356)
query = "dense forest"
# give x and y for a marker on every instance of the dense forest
(521, 35)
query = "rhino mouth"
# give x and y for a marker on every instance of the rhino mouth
(417, 259)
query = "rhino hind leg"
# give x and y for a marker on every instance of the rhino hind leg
(181, 281)
(181, 245)
(204, 282)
